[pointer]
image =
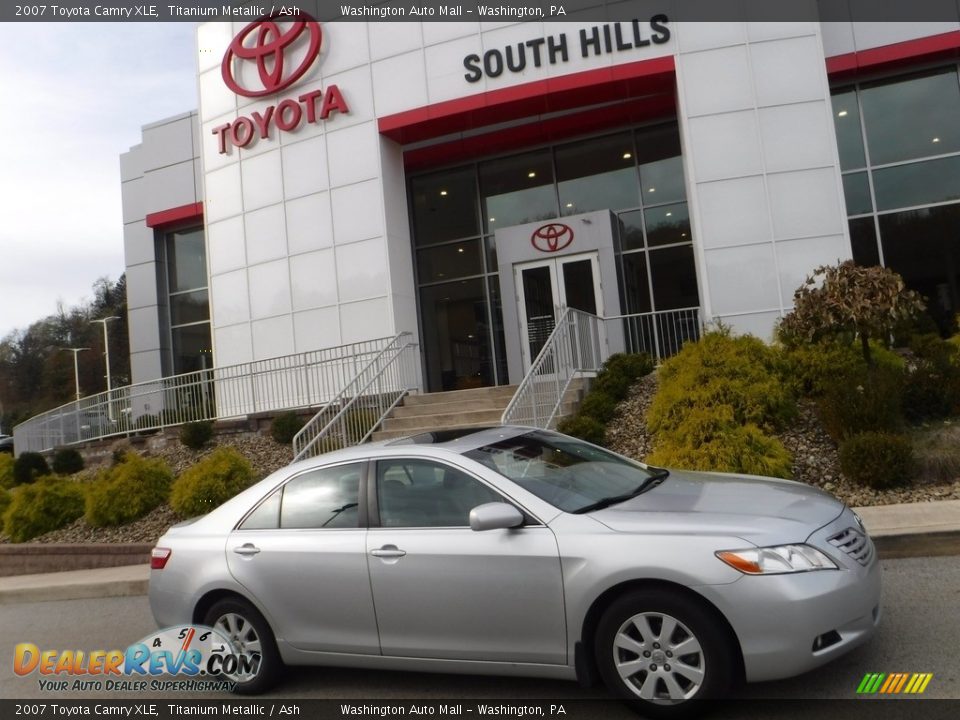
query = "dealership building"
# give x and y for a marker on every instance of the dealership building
(463, 182)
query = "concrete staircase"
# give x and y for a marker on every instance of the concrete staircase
(459, 408)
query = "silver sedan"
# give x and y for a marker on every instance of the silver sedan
(518, 551)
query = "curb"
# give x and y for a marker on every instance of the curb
(124, 581)
(919, 544)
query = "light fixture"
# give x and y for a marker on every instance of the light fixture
(627, 156)
(652, 190)
(669, 214)
(683, 234)
(936, 140)
(459, 249)
(531, 174)
(440, 275)
(443, 192)
(493, 219)
(569, 204)
(842, 113)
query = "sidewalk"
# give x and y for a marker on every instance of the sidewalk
(911, 530)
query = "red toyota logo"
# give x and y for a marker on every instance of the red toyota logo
(552, 237)
(269, 44)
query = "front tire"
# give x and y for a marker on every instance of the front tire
(251, 636)
(663, 652)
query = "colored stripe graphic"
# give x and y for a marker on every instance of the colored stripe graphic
(894, 683)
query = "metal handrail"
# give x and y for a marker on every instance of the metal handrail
(284, 383)
(574, 347)
(352, 416)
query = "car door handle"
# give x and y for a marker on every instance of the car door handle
(247, 549)
(388, 551)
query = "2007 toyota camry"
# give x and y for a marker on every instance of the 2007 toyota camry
(517, 551)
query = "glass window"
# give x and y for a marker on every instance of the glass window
(856, 191)
(597, 174)
(445, 206)
(863, 241)
(846, 122)
(325, 498)
(266, 516)
(636, 284)
(518, 190)
(919, 183)
(912, 117)
(674, 278)
(631, 230)
(192, 349)
(661, 167)
(667, 225)
(499, 343)
(421, 493)
(189, 307)
(449, 261)
(186, 260)
(456, 335)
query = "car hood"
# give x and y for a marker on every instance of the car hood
(762, 511)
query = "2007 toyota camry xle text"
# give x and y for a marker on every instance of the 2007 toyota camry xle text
(518, 551)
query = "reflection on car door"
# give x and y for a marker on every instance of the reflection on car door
(303, 556)
(442, 590)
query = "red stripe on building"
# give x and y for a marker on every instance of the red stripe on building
(184, 213)
(945, 46)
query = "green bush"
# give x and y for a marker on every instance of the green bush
(932, 388)
(127, 491)
(861, 400)
(583, 427)
(599, 406)
(48, 504)
(879, 460)
(5, 498)
(620, 372)
(810, 367)
(28, 467)
(211, 482)
(711, 439)
(67, 461)
(6, 471)
(721, 370)
(285, 426)
(196, 434)
(936, 452)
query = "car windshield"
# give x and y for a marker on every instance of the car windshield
(567, 473)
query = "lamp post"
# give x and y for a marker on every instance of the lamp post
(106, 355)
(76, 369)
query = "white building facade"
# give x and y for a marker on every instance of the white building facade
(462, 181)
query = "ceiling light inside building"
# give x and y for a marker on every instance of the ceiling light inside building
(842, 113)
(936, 140)
(627, 156)
(669, 214)
(443, 192)
(531, 174)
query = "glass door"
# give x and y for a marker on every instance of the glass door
(545, 288)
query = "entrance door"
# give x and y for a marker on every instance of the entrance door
(545, 288)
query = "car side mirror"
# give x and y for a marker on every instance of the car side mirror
(495, 516)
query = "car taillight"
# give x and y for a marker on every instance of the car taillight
(159, 557)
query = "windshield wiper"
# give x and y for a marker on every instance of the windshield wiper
(651, 482)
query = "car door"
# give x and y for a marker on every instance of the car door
(302, 554)
(442, 590)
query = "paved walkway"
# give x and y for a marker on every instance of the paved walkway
(910, 530)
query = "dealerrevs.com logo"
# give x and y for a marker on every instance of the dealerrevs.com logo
(198, 658)
(281, 53)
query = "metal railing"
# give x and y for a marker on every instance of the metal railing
(283, 383)
(351, 417)
(580, 343)
(574, 347)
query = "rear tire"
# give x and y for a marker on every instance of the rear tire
(250, 633)
(663, 652)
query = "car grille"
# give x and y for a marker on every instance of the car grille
(855, 544)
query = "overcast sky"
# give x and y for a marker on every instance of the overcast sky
(74, 98)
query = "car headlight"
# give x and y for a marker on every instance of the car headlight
(778, 559)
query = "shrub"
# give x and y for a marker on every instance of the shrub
(583, 427)
(4, 502)
(936, 452)
(127, 491)
(599, 406)
(28, 467)
(620, 371)
(285, 426)
(211, 482)
(196, 434)
(67, 461)
(879, 460)
(810, 367)
(861, 400)
(48, 504)
(6, 471)
(711, 439)
(932, 388)
(739, 372)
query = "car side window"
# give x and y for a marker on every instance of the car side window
(325, 498)
(421, 493)
(266, 516)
